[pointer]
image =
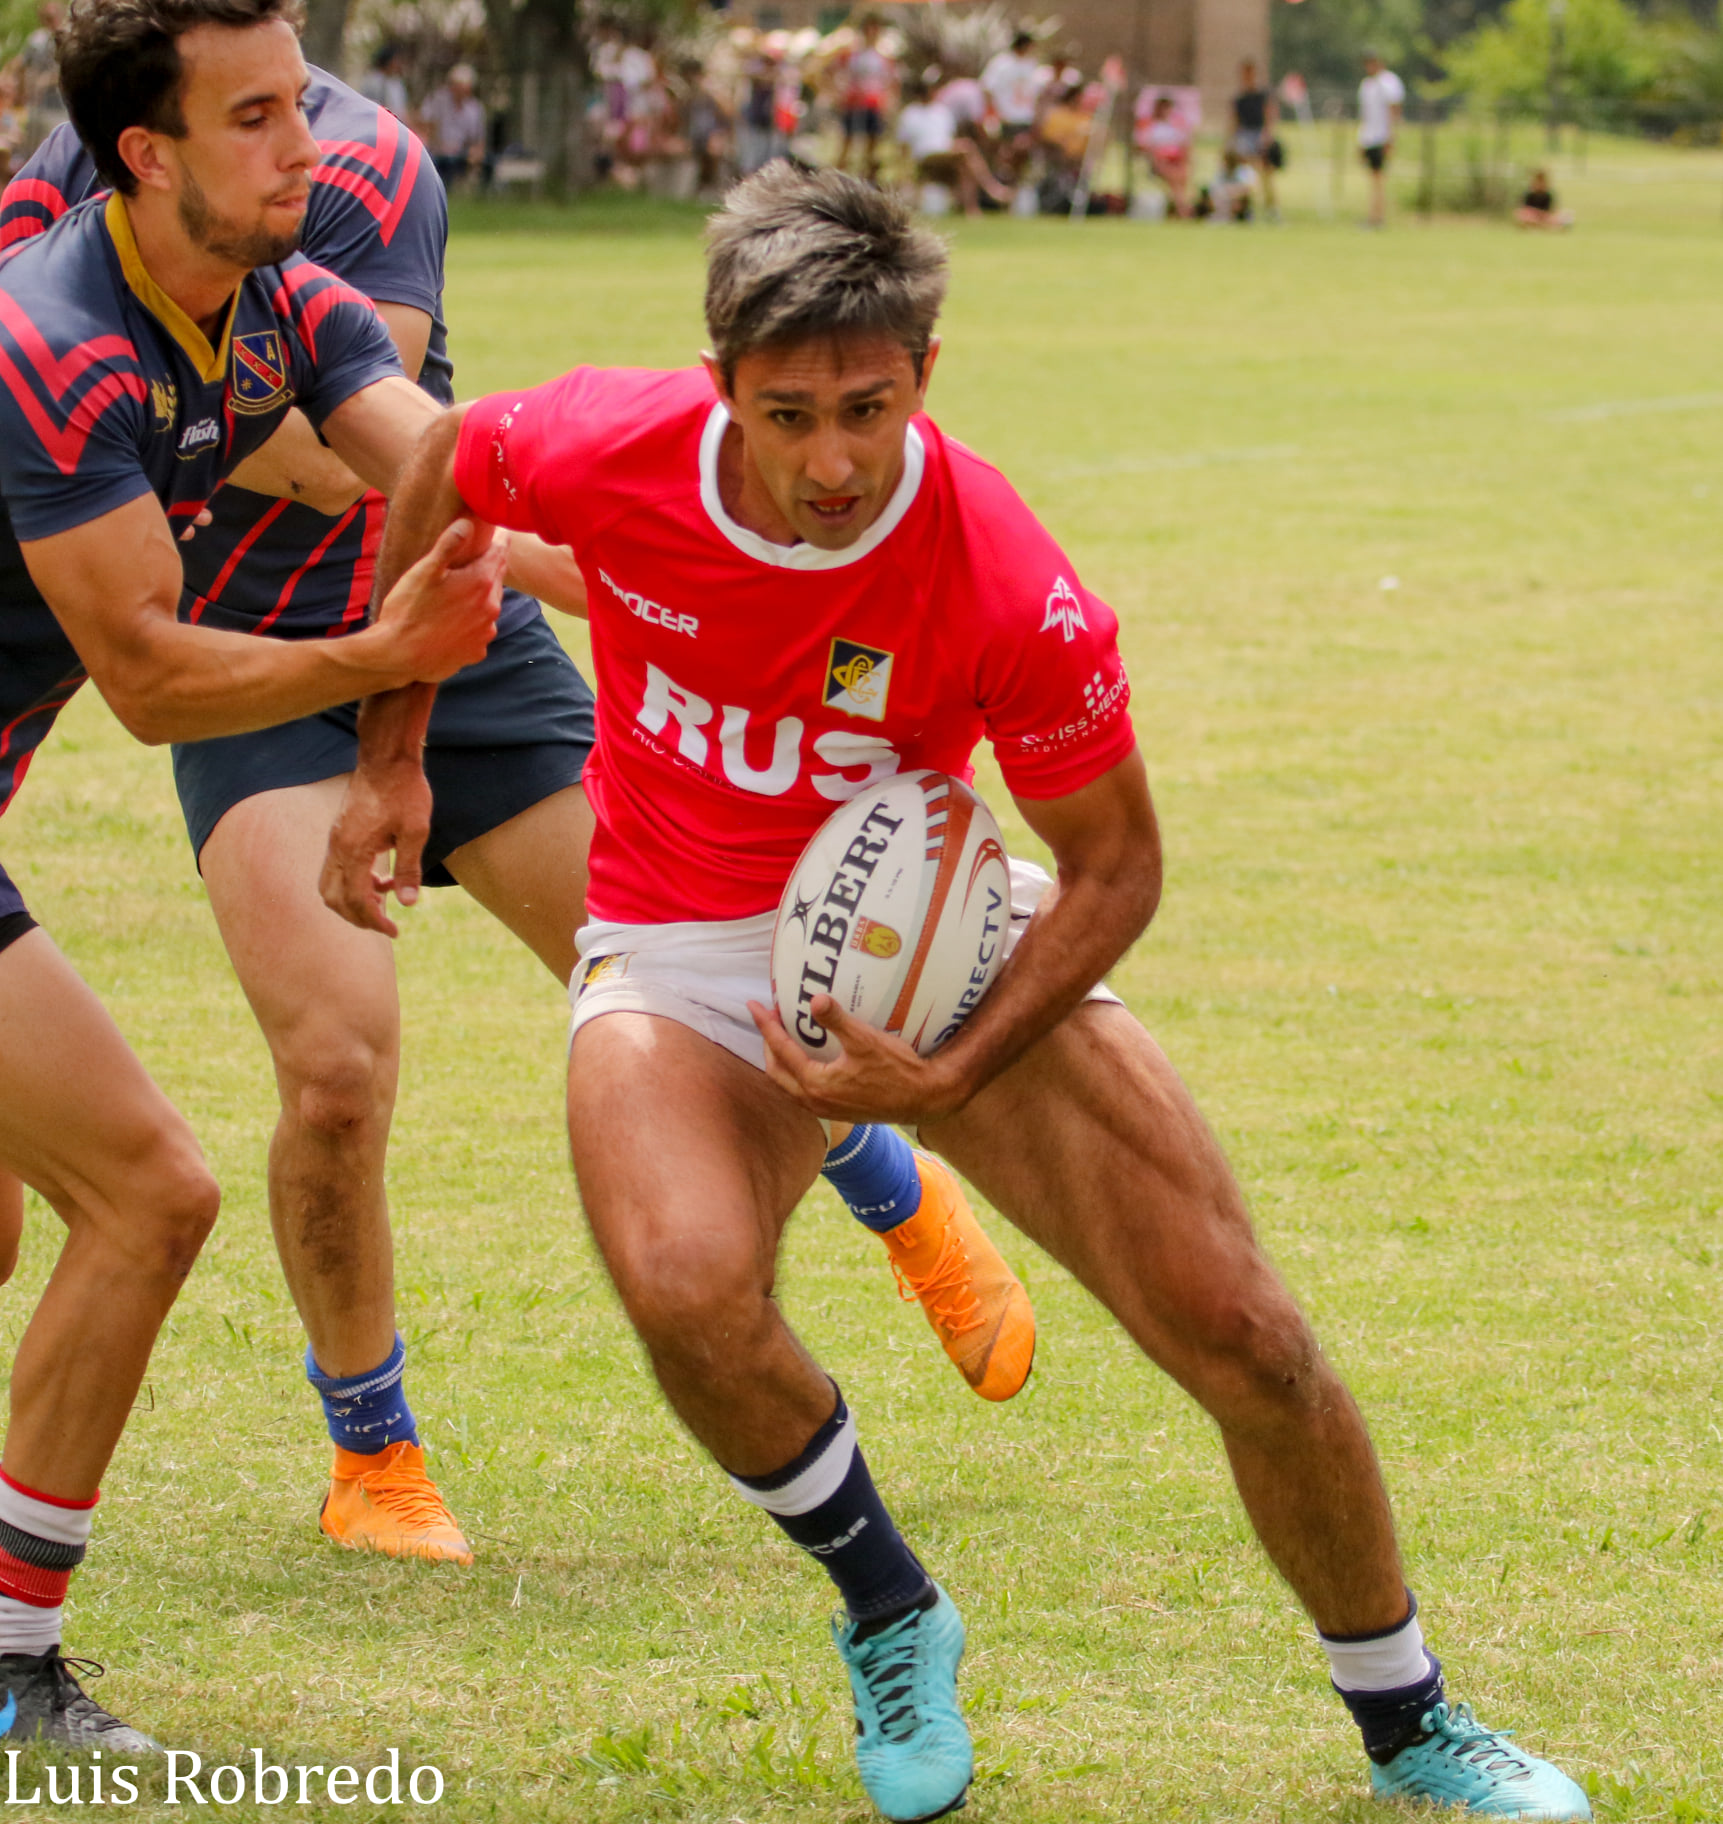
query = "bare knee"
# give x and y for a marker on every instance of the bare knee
(1253, 1356)
(171, 1209)
(693, 1299)
(338, 1089)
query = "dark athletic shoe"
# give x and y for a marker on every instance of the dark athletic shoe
(43, 1702)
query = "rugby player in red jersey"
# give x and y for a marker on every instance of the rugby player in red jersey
(808, 513)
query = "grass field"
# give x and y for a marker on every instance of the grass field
(1414, 542)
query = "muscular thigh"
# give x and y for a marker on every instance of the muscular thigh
(530, 872)
(1093, 1146)
(79, 1115)
(320, 988)
(689, 1160)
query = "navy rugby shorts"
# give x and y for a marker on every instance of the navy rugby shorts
(505, 734)
(15, 920)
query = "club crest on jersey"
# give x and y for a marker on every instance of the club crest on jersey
(164, 397)
(858, 680)
(1064, 611)
(259, 373)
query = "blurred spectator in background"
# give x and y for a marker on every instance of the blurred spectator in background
(1234, 188)
(1166, 142)
(1065, 126)
(756, 135)
(1012, 83)
(1538, 206)
(648, 114)
(39, 80)
(1254, 115)
(967, 100)
(1381, 98)
(943, 160)
(11, 123)
(708, 121)
(385, 82)
(867, 79)
(454, 128)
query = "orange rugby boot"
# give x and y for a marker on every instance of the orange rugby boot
(975, 1303)
(388, 1504)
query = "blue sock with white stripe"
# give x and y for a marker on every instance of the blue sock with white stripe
(826, 1502)
(366, 1412)
(873, 1170)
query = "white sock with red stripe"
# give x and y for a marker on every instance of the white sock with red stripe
(42, 1541)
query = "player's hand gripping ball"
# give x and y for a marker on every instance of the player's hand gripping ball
(898, 909)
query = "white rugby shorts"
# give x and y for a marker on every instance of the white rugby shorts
(703, 973)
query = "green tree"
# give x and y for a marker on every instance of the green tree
(1609, 59)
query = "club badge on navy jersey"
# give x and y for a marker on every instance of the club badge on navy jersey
(259, 373)
(858, 680)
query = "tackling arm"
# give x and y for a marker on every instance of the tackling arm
(387, 808)
(377, 430)
(115, 586)
(1106, 846)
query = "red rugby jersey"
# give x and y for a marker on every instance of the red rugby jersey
(746, 688)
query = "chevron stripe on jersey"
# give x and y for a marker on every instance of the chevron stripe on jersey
(307, 294)
(380, 176)
(32, 206)
(64, 397)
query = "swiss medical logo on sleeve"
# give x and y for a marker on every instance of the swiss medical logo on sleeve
(858, 679)
(1064, 611)
(259, 373)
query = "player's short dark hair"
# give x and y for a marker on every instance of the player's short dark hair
(796, 255)
(120, 67)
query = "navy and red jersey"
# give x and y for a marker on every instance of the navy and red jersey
(109, 391)
(378, 219)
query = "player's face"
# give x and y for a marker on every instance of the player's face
(244, 164)
(822, 430)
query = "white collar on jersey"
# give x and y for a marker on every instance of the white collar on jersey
(806, 557)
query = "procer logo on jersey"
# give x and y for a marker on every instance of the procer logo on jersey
(858, 680)
(259, 373)
(654, 614)
(1064, 611)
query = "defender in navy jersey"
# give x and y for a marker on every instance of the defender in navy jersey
(506, 749)
(150, 344)
(506, 753)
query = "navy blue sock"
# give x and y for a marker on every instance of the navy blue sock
(1390, 1719)
(366, 1412)
(826, 1502)
(873, 1171)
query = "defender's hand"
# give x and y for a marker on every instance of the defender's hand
(442, 613)
(387, 811)
(876, 1077)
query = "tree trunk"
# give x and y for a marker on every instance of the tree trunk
(325, 29)
(544, 39)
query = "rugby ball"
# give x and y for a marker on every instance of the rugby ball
(899, 910)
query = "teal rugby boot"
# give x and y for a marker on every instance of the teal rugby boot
(912, 1744)
(1457, 1761)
